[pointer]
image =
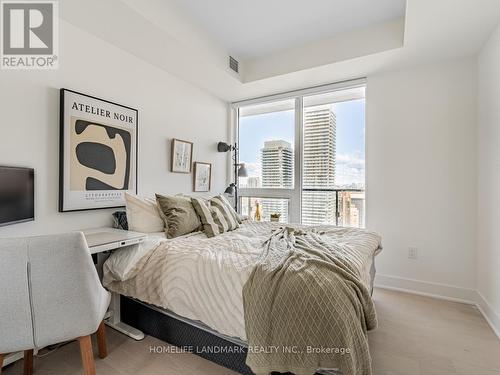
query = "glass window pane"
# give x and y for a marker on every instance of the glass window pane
(334, 158)
(266, 141)
(277, 208)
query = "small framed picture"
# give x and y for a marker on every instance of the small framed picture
(182, 156)
(202, 176)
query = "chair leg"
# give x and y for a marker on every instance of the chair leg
(87, 355)
(101, 341)
(28, 362)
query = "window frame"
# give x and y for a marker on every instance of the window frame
(294, 195)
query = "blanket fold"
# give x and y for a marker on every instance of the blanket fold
(306, 306)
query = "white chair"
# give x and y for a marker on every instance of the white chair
(50, 293)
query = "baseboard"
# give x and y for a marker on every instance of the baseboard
(442, 291)
(426, 288)
(491, 316)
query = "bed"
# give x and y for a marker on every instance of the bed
(193, 284)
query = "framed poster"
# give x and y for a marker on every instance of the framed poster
(202, 176)
(182, 156)
(98, 152)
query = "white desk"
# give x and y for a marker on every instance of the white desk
(105, 239)
(101, 240)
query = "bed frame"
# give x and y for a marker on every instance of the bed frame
(182, 332)
(185, 333)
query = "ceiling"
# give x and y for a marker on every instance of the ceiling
(168, 35)
(252, 29)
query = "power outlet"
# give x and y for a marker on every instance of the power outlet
(413, 253)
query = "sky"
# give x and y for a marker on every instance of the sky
(350, 157)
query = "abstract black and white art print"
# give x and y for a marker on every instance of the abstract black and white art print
(202, 176)
(98, 152)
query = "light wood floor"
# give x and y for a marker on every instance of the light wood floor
(416, 336)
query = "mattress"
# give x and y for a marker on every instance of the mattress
(202, 278)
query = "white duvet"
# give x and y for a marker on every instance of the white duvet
(202, 278)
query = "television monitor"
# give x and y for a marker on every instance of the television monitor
(17, 200)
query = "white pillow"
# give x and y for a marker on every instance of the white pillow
(143, 215)
(124, 263)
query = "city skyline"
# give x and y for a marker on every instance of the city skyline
(350, 148)
(323, 167)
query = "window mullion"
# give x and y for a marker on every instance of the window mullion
(296, 203)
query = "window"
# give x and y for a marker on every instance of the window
(333, 173)
(305, 156)
(267, 150)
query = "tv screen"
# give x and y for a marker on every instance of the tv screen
(16, 195)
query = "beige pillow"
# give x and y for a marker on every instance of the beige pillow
(179, 215)
(143, 215)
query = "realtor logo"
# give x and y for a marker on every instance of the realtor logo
(29, 35)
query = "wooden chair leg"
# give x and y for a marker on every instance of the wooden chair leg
(101, 341)
(1, 362)
(87, 355)
(28, 362)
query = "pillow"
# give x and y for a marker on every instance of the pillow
(120, 220)
(227, 211)
(239, 218)
(204, 211)
(213, 220)
(179, 215)
(124, 264)
(143, 215)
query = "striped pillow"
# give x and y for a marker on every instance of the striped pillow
(206, 214)
(239, 218)
(227, 211)
(215, 218)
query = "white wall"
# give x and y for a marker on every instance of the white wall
(168, 107)
(421, 176)
(488, 262)
(421, 153)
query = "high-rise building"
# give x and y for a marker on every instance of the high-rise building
(349, 211)
(318, 207)
(253, 182)
(358, 200)
(277, 172)
(277, 164)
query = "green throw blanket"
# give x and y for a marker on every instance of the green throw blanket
(307, 308)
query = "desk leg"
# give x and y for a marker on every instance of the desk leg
(114, 321)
